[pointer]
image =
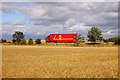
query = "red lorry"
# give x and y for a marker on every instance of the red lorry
(61, 38)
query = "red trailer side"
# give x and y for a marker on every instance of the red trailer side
(60, 38)
(47, 38)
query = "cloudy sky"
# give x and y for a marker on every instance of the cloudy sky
(38, 19)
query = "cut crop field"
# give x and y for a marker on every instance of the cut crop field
(59, 62)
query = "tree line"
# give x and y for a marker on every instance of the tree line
(94, 35)
(116, 40)
(18, 39)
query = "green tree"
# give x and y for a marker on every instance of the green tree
(30, 41)
(117, 40)
(3, 40)
(38, 41)
(94, 34)
(14, 41)
(78, 39)
(17, 37)
(23, 42)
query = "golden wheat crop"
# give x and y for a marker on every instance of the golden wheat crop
(59, 62)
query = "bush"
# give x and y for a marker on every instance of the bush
(23, 42)
(117, 41)
(30, 41)
(3, 40)
(38, 41)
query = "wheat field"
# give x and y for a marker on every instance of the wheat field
(59, 62)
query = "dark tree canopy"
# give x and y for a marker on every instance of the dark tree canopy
(38, 41)
(3, 40)
(116, 40)
(18, 37)
(23, 42)
(30, 41)
(94, 34)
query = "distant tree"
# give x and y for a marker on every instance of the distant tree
(38, 41)
(116, 40)
(3, 40)
(78, 39)
(14, 41)
(30, 41)
(105, 40)
(17, 37)
(94, 34)
(23, 42)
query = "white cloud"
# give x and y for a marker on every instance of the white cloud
(38, 33)
(17, 22)
(80, 27)
(11, 29)
(38, 12)
(112, 32)
(46, 18)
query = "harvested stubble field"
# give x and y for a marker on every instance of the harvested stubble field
(59, 62)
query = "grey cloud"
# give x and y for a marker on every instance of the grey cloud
(7, 8)
(49, 12)
(69, 23)
(62, 17)
(17, 22)
(35, 29)
(60, 1)
(91, 13)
